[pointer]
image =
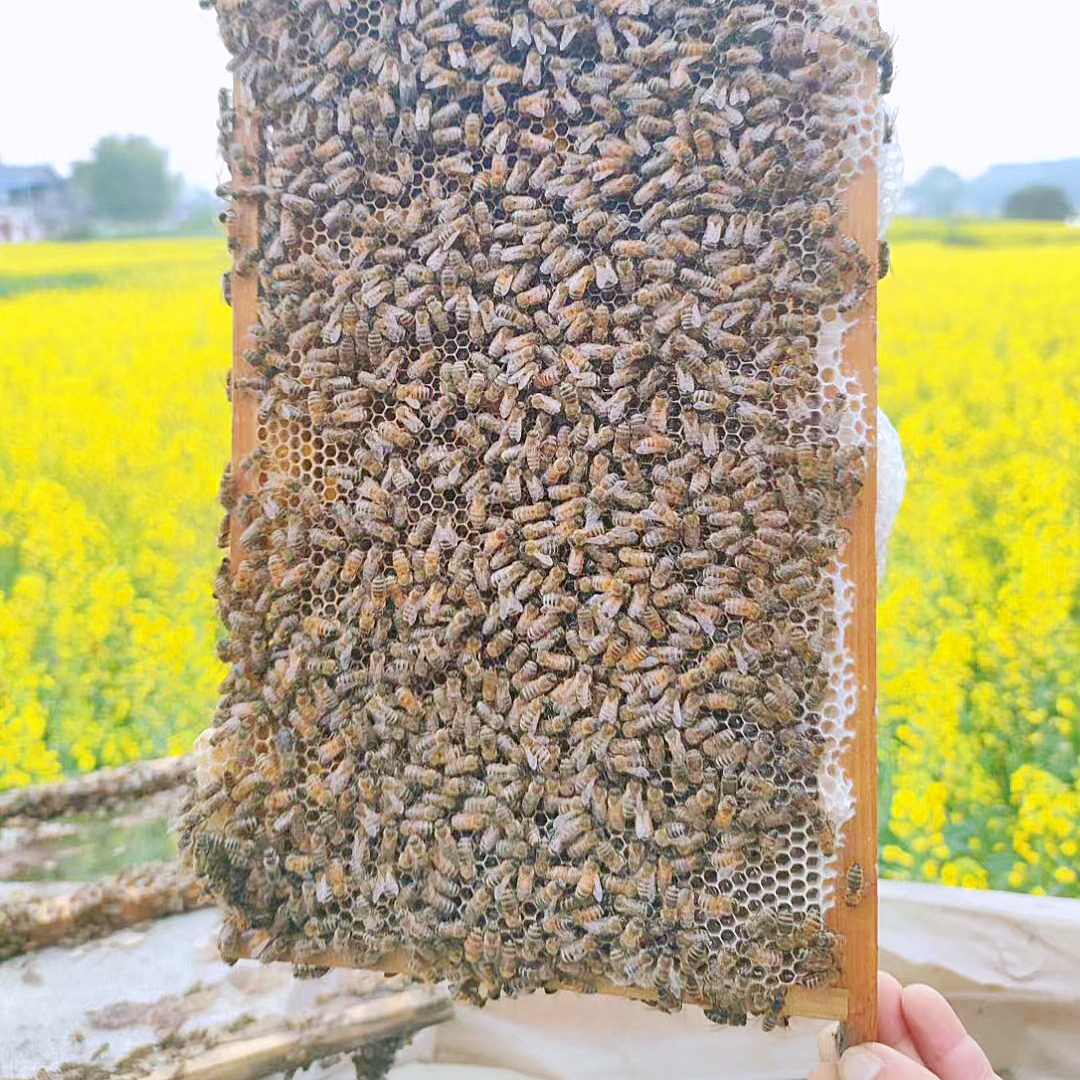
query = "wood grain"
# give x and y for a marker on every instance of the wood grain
(290, 1050)
(92, 791)
(95, 910)
(858, 924)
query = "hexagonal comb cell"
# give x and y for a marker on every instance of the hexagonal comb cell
(535, 618)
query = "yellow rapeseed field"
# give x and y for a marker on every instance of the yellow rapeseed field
(115, 426)
(114, 429)
(979, 615)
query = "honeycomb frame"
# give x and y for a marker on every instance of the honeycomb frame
(850, 993)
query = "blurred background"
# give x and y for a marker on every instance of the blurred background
(114, 427)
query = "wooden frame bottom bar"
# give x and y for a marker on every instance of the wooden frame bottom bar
(820, 1003)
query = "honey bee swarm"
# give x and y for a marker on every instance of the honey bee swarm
(534, 621)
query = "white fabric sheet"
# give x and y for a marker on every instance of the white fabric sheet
(1010, 964)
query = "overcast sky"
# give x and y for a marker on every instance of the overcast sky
(979, 81)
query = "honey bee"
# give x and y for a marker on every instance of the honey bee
(884, 259)
(853, 885)
(742, 607)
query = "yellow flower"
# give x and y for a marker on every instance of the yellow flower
(893, 853)
(978, 643)
(107, 515)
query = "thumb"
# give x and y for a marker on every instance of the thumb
(875, 1061)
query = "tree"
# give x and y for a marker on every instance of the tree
(1039, 202)
(937, 192)
(127, 179)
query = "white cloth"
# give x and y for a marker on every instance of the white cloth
(1009, 963)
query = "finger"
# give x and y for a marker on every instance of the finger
(827, 1052)
(824, 1072)
(941, 1039)
(892, 1029)
(876, 1061)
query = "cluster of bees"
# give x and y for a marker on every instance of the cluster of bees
(532, 605)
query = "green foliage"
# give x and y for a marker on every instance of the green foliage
(127, 179)
(10, 286)
(1038, 202)
(982, 233)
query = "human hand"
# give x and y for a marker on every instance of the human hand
(919, 1038)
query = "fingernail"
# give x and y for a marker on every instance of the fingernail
(826, 1045)
(858, 1063)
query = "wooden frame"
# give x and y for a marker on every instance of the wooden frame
(858, 924)
(244, 293)
(854, 1001)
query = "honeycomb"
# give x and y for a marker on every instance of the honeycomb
(536, 630)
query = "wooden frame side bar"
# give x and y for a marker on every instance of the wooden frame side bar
(244, 292)
(858, 922)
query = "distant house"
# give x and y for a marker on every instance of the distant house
(34, 203)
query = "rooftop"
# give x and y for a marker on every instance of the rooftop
(24, 177)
